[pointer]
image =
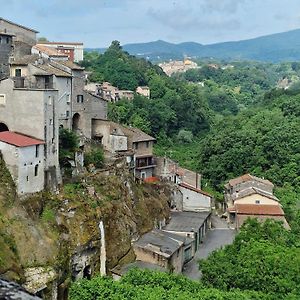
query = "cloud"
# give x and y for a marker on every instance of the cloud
(222, 6)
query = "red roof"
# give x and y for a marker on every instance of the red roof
(151, 179)
(259, 209)
(18, 139)
(187, 186)
(248, 177)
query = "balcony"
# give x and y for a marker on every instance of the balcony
(145, 162)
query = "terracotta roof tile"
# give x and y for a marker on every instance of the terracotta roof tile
(18, 139)
(248, 177)
(259, 209)
(49, 51)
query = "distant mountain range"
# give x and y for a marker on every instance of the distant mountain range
(273, 48)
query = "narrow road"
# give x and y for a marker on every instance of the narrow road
(218, 236)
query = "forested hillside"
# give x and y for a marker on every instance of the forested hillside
(272, 48)
(222, 122)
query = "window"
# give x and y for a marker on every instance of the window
(68, 98)
(36, 170)
(136, 146)
(51, 122)
(50, 100)
(67, 114)
(79, 98)
(7, 40)
(37, 151)
(18, 72)
(27, 178)
(257, 201)
(2, 100)
(147, 144)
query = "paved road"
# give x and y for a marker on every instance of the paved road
(217, 237)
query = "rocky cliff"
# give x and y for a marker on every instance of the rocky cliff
(47, 240)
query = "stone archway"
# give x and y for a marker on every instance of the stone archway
(3, 127)
(76, 121)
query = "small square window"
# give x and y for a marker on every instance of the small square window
(257, 201)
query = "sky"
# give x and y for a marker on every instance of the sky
(97, 22)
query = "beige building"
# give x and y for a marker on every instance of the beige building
(161, 248)
(234, 187)
(144, 91)
(24, 158)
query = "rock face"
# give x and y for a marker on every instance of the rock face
(58, 236)
(13, 291)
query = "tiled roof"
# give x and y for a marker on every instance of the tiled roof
(138, 135)
(70, 64)
(243, 218)
(251, 191)
(259, 209)
(187, 186)
(184, 221)
(25, 60)
(18, 139)
(161, 242)
(248, 177)
(49, 51)
(50, 70)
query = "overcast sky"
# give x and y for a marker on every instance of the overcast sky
(98, 22)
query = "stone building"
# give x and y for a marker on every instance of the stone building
(144, 91)
(6, 50)
(31, 111)
(161, 248)
(192, 225)
(24, 157)
(20, 32)
(142, 144)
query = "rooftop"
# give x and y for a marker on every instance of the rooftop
(251, 191)
(70, 64)
(10, 22)
(25, 60)
(249, 177)
(49, 51)
(138, 135)
(182, 221)
(259, 209)
(187, 186)
(50, 70)
(160, 242)
(18, 139)
(62, 43)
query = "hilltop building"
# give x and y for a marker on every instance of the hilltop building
(74, 51)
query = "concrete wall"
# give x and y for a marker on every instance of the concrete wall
(144, 173)
(193, 201)
(21, 162)
(256, 197)
(21, 34)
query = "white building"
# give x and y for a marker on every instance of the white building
(24, 157)
(194, 199)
